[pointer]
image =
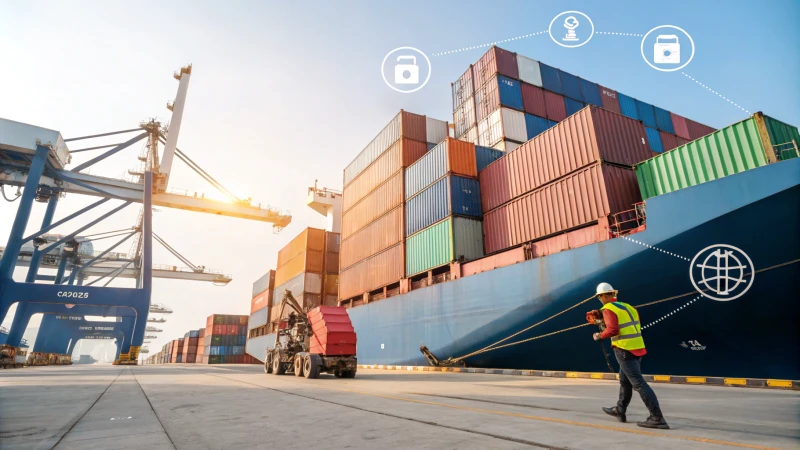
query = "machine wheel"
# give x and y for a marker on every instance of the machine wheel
(298, 366)
(349, 373)
(337, 373)
(311, 366)
(278, 368)
(268, 363)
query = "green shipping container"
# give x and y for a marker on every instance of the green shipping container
(784, 137)
(730, 150)
(455, 238)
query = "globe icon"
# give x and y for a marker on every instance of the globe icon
(722, 275)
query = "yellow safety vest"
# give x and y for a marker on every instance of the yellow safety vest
(630, 330)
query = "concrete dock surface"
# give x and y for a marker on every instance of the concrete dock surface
(189, 406)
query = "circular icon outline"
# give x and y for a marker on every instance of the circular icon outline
(749, 285)
(570, 46)
(667, 70)
(383, 73)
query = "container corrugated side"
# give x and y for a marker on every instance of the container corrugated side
(450, 195)
(267, 281)
(499, 91)
(464, 117)
(332, 242)
(610, 100)
(378, 271)
(453, 239)
(486, 155)
(462, 89)
(664, 120)
(494, 61)
(450, 156)
(536, 125)
(402, 153)
(572, 86)
(646, 113)
(654, 139)
(679, 125)
(330, 284)
(573, 106)
(261, 300)
(551, 79)
(435, 130)
(386, 197)
(733, 149)
(582, 139)
(503, 123)
(697, 129)
(470, 135)
(668, 141)
(379, 235)
(591, 93)
(331, 264)
(533, 100)
(627, 106)
(308, 239)
(310, 261)
(258, 318)
(529, 70)
(405, 124)
(555, 106)
(578, 199)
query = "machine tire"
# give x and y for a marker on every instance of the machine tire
(349, 373)
(268, 363)
(311, 366)
(298, 366)
(278, 367)
(338, 373)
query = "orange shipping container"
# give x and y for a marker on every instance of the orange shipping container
(382, 200)
(373, 239)
(308, 239)
(331, 262)
(261, 300)
(308, 261)
(401, 154)
(332, 242)
(331, 285)
(378, 271)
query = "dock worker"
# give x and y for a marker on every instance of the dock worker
(625, 331)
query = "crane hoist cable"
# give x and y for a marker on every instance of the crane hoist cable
(177, 254)
(205, 175)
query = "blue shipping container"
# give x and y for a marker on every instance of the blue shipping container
(194, 333)
(654, 139)
(214, 350)
(237, 350)
(241, 340)
(487, 155)
(510, 92)
(591, 93)
(573, 106)
(431, 146)
(646, 113)
(572, 86)
(450, 195)
(536, 125)
(551, 123)
(258, 318)
(551, 79)
(628, 106)
(664, 120)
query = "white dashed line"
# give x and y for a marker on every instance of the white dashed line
(618, 34)
(655, 248)
(491, 44)
(671, 313)
(715, 92)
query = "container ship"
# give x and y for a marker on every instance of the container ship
(484, 241)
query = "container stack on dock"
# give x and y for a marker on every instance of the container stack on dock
(261, 304)
(224, 340)
(190, 344)
(506, 99)
(373, 226)
(300, 270)
(176, 351)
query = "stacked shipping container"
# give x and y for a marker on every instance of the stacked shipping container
(224, 340)
(190, 344)
(261, 303)
(176, 351)
(373, 224)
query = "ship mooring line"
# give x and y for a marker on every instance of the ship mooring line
(154, 410)
(423, 422)
(87, 410)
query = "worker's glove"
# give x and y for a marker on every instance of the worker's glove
(596, 336)
(593, 316)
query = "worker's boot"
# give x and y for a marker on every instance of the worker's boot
(616, 412)
(654, 422)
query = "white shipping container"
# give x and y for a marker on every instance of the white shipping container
(470, 135)
(529, 71)
(506, 146)
(436, 130)
(258, 318)
(504, 123)
(464, 117)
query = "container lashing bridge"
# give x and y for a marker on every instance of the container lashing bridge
(35, 159)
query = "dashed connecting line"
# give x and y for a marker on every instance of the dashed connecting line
(618, 34)
(715, 92)
(656, 248)
(493, 43)
(671, 313)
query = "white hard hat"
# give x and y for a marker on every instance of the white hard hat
(605, 288)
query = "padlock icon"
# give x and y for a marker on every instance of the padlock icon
(665, 51)
(406, 73)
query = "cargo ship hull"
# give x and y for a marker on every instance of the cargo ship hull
(754, 336)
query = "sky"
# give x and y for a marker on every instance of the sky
(283, 93)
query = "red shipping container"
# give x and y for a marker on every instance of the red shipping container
(218, 330)
(578, 199)
(332, 335)
(555, 106)
(533, 100)
(668, 141)
(331, 263)
(587, 136)
(698, 130)
(388, 196)
(610, 100)
(679, 124)
(375, 272)
(401, 154)
(261, 300)
(495, 61)
(492, 262)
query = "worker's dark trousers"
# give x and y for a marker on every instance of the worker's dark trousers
(630, 379)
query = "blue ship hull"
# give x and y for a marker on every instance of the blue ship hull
(754, 336)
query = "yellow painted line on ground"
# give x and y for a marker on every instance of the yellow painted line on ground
(640, 432)
(572, 374)
(695, 379)
(779, 383)
(735, 381)
(597, 376)
(661, 378)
